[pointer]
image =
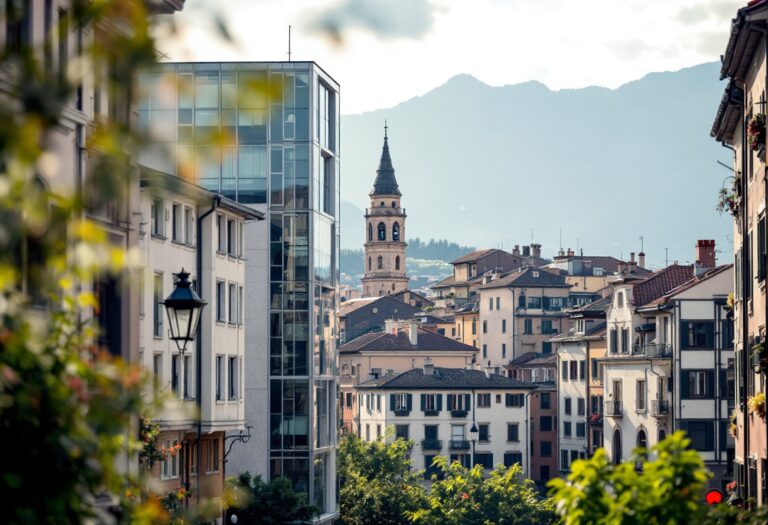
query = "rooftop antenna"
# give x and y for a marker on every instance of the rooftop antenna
(531, 235)
(289, 42)
(561, 238)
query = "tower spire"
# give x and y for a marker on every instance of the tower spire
(386, 183)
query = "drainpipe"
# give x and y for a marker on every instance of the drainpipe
(527, 458)
(199, 344)
(745, 368)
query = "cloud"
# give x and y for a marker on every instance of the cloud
(718, 10)
(386, 19)
(712, 43)
(630, 49)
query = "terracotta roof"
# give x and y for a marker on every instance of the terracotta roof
(384, 342)
(659, 283)
(529, 277)
(445, 379)
(687, 285)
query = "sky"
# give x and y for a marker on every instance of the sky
(383, 52)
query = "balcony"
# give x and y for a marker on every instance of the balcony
(659, 407)
(431, 444)
(459, 444)
(459, 413)
(431, 413)
(613, 409)
(380, 211)
(402, 412)
(652, 350)
(595, 420)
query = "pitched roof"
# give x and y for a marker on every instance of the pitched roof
(385, 183)
(475, 255)
(445, 379)
(660, 282)
(347, 307)
(690, 283)
(529, 277)
(387, 342)
(599, 306)
(533, 359)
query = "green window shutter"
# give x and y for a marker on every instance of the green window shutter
(439, 402)
(683, 335)
(423, 401)
(450, 401)
(391, 401)
(409, 398)
(467, 401)
(683, 385)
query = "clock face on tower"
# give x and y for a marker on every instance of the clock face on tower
(385, 231)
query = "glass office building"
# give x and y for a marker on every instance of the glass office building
(267, 135)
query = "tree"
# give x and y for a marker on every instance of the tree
(463, 496)
(260, 503)
(668, 489)
(377, 485)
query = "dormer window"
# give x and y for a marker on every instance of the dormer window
(536, 275)
(620, 300)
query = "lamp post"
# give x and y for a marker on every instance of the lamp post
(183, 307)
(473, 432)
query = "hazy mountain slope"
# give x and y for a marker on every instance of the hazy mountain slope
(483, 165)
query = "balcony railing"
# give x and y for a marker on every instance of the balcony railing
(431, 444)
(652, 350)
(459, 413)
(384, 210)
(459, 444)
(402, 412)
(613, 409)
(659, 407)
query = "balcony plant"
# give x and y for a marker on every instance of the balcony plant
(728, 200)
(732, 424)
(756, 404)
(730, 302)
(756, 134)
(760, 356)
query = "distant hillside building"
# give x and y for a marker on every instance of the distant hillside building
(385, 233)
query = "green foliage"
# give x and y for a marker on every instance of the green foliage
(377, 485)
(259, 503)
(669, 489)
(463, 496)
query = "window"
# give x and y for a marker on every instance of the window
(231, 237)
(701, 434)
(619, 299)
(581, 406)
(170, 467)
(564, 369)
(613, 340)
(545, 423)
(430, 432)
(503, 326)
(546, 326)
(485, 326)
(640, 395)
(212, 455)
(490, 303)
(219, 378)
(697, 383)
(17, 25)
(761, 251)
(485, 351)
(567, 402)
(514, 400)
(232, 373)
(382, 232)
(699, 334)
(367, 432)
(512, 458)
(175, 374)
(401, 431)
(566, 429)
(431, 402)
(157, 306)
(574, 370)
(596, 404)
(503, 349)
(221, 230)
(221, 302)
(380, 263)
(581, 430)
(625, 340)
(177, 227)
(483, 400)
(474, 327)
(157, 368)
(485, 459)
(397, 262)
(240, 305)
(582, 370)
(232, 303)
(534, 302)
(593, 364)
(513, 432)
(544, 401)
(370, 231)
(483, 432)
(349, 399)
(521, 301)
(528, 326)
(157, 217)
(498, 303)
(545, 449)
(187, 375)
(189, 228)
(400, 402)
(458, 402)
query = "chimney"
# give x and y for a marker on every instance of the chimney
(570, 252)
(621, 267)
(488, 369)
(429, 368)
(526, 251)
(641, 259)
(705, 253)
(536, 250)
(390, 326)
(632, 265)
(413, 332)
(631, 257)
(516, 250)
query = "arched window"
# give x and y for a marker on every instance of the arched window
(616, 456)
(369, 264)
(662, 435)
(397, 262)
(642, 440)
(382, 232)
(395, 232)
(393, 204)
(380, 263)
(370, 231)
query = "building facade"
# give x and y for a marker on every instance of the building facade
(185, 227)
(464, 414)
(266, 135)
(743, 103)
(385, 233)
(361, 316)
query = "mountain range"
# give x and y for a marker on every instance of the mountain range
(593, 168)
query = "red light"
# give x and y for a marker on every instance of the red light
(714, 497)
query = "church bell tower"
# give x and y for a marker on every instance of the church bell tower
(385, 233)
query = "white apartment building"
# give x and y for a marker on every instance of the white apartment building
(675, 372)
(438, 408)
(185, 227)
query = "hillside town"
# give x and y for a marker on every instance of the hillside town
(189, 226)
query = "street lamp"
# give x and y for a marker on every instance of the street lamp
(183, 307)
(473, 432)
